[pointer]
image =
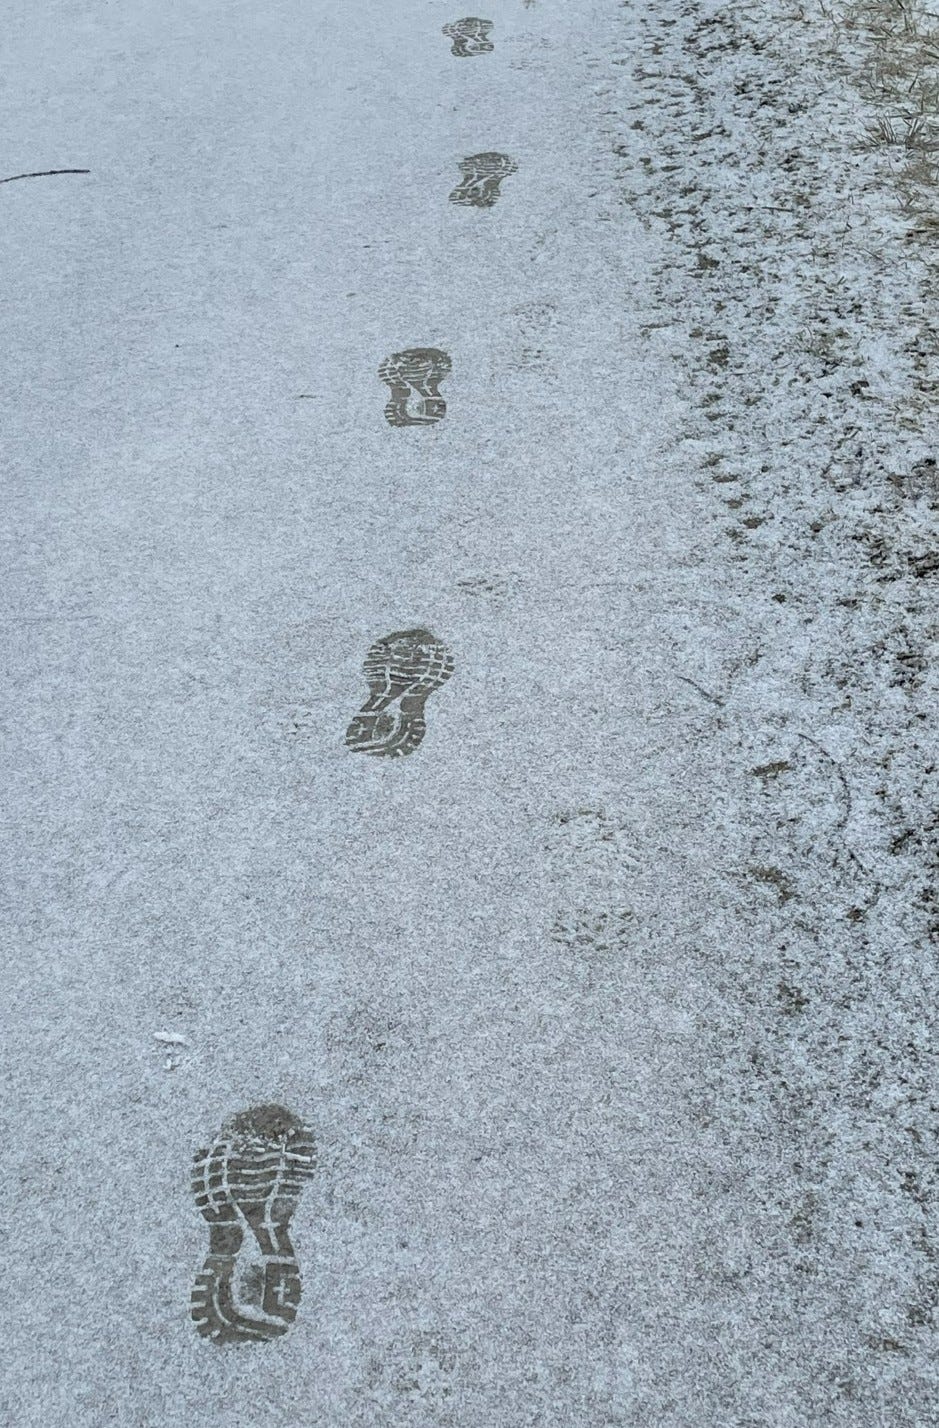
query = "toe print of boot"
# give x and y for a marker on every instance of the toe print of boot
(246, 1187)
(482, 175)
(469, 36)
(402, 671)
(414, 377)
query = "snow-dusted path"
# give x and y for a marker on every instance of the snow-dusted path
(511, 983)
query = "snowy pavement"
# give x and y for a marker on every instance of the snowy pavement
(467, 679)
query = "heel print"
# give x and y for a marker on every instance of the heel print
(402, 671)
(482, 175)
(414, 377)
(469, 36)
(246, 1187)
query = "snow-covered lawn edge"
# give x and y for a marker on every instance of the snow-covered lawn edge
(783, 155)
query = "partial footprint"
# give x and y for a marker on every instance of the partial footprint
(414, 377)
(247, 1186)
(482, 175)
(402, 671)
(469, 36)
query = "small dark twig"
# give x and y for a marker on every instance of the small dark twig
(44, 173)
(848, 811)
(712, 698)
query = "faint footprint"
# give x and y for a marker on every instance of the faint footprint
(469, 36)
(247, 1186)
(497, 585)
(402, 669)
(482, 175)
(414, 377)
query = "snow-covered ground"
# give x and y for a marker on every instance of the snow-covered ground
(785, 157)
(605, 1018)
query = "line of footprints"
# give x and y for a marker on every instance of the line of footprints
(247, 1184)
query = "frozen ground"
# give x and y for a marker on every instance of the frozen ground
(786, 158)
(610, 1009)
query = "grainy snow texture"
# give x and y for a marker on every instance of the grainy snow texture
(797, 290)
(575, 378)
